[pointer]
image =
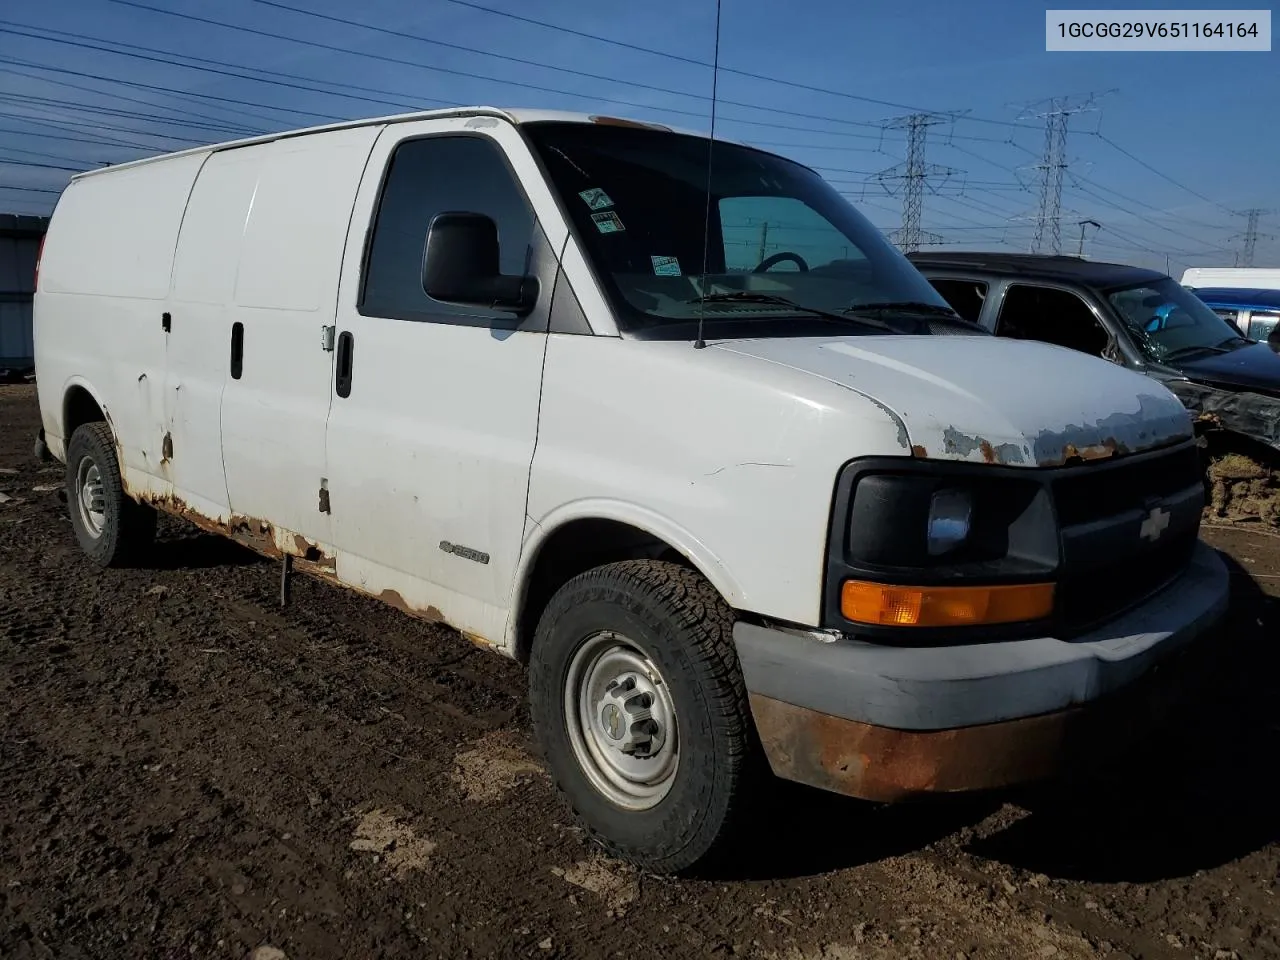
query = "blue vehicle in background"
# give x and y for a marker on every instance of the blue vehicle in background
(1255, 312)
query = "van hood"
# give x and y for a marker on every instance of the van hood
(989, 399)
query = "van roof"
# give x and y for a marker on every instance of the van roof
(517, 116)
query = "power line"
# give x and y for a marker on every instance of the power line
(411, 101)
(165, 90)
(117, 144)
(42, 166)
(405, 35)
(1135, 214)
(53, 156)
(703, 63)
(1079, 178)
(29, 189)
(1195, 193)
(62, 124)
(478, 76)
(92, 43)
(32, 101)
(182, 111)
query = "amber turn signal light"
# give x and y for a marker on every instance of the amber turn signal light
(885, 605)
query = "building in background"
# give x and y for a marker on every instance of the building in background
(19, 243)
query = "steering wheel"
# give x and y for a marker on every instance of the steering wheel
(768, 262)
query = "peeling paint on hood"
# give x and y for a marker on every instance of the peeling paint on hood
(989, 399)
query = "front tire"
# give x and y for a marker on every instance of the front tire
(113, 529)
(640, 710)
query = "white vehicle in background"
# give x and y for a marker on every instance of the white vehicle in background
(1240, 278)
(730, 506)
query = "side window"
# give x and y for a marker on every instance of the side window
(1264, 327)
(430, 176)
(1053, 316)
(756, 228)
(1229, 314)
(965, 296)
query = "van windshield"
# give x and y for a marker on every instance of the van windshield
(786, 254)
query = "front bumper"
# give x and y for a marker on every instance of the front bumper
(888, 723)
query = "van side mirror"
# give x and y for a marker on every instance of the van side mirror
(460, 264)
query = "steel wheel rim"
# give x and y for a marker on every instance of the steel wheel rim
(90, 497)
(621, 721)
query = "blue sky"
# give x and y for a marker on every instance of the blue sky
(1205, 122)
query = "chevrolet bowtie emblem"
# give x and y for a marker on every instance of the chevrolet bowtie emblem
(1155, 524)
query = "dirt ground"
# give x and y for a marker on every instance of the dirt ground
(186, 770)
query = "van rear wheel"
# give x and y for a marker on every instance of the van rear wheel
(112, 529)
(639, 706)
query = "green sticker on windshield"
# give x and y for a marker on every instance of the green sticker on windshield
(666, 266)
(608, 222)
(595, 198)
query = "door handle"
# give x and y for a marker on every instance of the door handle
(346, 352)
(237, 350)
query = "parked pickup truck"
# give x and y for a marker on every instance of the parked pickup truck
(1141, 319)
(725, 473)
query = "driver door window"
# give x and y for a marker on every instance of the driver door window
(1031, 312)
(756, 229)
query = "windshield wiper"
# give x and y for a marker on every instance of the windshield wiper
(1187, 351)
(906, 306)
(746, 296)
(1231, 340)
(916, 308)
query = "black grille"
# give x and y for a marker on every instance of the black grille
(1108, 564)
(1088, 597)
(1102, 490)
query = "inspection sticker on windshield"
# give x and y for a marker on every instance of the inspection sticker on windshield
(608, 222)
(595, 198)
(666, 266)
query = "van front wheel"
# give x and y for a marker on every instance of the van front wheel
(639, 707)
(112, 528)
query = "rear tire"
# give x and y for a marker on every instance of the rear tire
(113, 529)
(641, 712)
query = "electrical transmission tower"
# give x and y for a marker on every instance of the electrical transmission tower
(1249, 239)
(1055, 113)
(913, 176)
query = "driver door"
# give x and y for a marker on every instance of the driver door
(435, 406)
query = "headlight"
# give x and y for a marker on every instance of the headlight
(939, 546)
(919, 520)
(949, 515)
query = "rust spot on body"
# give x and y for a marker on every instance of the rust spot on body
(258, 535)
(394, 598)
(264, 539)
(988, 451)
(887, 765)
(1071, 453)
(917, 450)
(304, 549)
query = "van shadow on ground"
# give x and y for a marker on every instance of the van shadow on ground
(182, 547)
(1195, 796)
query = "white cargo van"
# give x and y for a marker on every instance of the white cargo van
(724, 470)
